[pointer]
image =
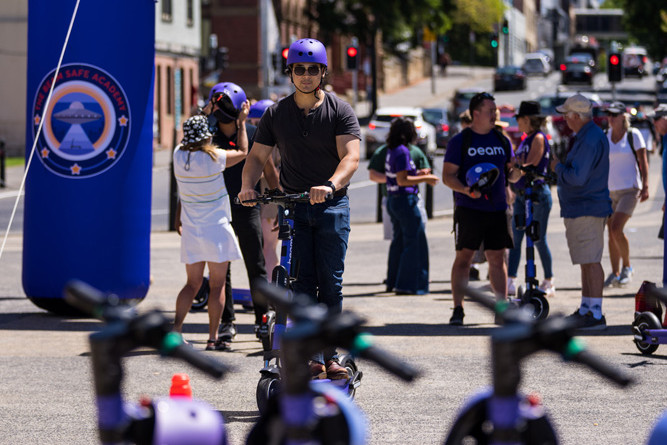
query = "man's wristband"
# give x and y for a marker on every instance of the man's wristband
(331, 185)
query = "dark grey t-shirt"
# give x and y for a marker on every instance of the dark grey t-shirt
(307, 144)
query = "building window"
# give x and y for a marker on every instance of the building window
(190, 21)
(158, 104)
(170, 88)
(166, 10)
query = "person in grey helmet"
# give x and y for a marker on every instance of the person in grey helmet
(318, 137)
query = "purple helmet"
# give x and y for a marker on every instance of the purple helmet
(258, 108)
(231, 100)
(307, 51)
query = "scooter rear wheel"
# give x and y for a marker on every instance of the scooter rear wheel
(644, 321)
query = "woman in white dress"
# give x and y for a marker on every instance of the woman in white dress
(203, 220)
(628, 184)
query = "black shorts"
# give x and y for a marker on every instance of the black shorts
(472, 227)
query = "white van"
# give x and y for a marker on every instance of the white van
(536, 63)
(635, 62)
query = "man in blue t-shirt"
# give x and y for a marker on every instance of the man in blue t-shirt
(479, 218)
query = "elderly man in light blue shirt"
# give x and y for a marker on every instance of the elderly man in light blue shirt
(585, 204)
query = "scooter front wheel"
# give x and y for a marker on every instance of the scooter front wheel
(268, 387)
(201, 299)
(540, 306)
(644, 321)
(348, 363)
(473, 427)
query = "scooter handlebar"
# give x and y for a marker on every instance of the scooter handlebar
(94, 302)
(209, 365)
(389, 363)
(598, 365)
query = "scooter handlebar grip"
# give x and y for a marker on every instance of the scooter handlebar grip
(390, 363)
(603, 368)
(209, 365)
(84, 297)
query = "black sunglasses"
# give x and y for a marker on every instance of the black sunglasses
(300, 70)
(613, 114)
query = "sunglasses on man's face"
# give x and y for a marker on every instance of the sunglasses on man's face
(613, 114)
(300, 70)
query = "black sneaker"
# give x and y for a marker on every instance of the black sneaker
(457, 316)
(227, 331)
(576, 317)
(590, 323)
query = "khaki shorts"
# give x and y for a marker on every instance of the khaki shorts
(624, 201)
(585, 238)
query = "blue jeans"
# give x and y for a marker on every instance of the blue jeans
(542, 202)
(321, 234)
(407, 269)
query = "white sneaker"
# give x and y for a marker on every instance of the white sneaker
(511, 288)
(611, 281)
(626, 276)
(548, 288)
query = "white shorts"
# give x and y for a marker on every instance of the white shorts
(215, 244)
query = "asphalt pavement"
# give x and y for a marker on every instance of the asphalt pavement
(46, 392)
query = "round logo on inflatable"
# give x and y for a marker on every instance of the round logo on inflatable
(86, 127)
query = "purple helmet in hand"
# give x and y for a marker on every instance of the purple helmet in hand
(307, 51)
(258, 108)
(229, 98)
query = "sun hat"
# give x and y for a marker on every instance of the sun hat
(195, 129)
(529, 108)
(577, 103)
(660, 111)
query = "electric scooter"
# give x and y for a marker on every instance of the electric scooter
(166, 420)
(530, 293)
(647, 329)
(502, 415)
(309, 411)
(274, 323)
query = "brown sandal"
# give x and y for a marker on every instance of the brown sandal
(216, 345)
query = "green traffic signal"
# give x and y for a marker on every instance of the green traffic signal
(494, 43)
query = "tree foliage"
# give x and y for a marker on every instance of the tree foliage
(646, 23)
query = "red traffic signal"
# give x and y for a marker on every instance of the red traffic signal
(284, 53)
(615, 68)
(351, 56)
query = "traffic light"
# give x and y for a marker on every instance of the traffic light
(351, 57)
(283, 57)
(222, 58)
(614, 67)
(506, 27)
(494, 40)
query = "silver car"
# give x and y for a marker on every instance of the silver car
(378, 129)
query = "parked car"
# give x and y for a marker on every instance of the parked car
(536, 63)
(635, 61)
(438, 118)
(378, 129)
(509, 78)
(461, 101)
(577, 68)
